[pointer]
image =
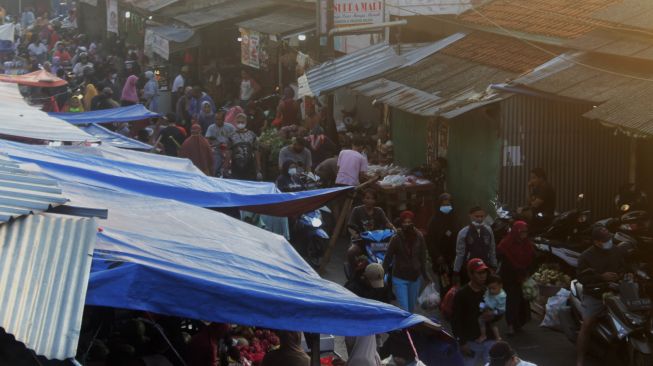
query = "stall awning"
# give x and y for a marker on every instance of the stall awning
(364, 64)
(150, 5)
(40, 78)
(22, 120)
(165, 40)
(224, 11)
(114, 139)
(171, 258)
(195, 188)
(121, 114)
(282, 22)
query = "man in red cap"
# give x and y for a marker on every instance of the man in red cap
(466, 312)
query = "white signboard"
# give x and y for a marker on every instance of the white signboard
(347, 13)
(154, 43)
(112, 16)
(512, 156)
(406, 8)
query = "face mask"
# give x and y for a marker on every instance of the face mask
(446, 209)
(114, 76)
(241, 126)
(292, 171)
(607, 245)
(477, 224)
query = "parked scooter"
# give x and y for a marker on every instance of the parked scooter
(626, 327)
(310, 235)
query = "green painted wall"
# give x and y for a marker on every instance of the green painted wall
(409, 134)
(474, 162)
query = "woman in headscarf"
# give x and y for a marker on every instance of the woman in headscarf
(407, 256)
(197, 149)
(290, 353)
(364, 352)
(89, 93)
(517, 253)
(441, 240)
(206, 117)
(129, 93)
(151, 92)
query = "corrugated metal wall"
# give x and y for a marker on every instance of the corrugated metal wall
(579, 155)
(409, 134)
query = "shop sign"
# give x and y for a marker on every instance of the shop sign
(347, 13)
(112, 16)
(250, 48)
(154, 43)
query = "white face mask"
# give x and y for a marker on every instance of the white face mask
(292, 171)
(241, 126)
(477, 224)
(607, 245)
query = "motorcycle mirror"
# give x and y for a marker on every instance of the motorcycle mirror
(625, 207)
(581, 196)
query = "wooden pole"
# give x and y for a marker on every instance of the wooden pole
(343, 213)
(315, 349)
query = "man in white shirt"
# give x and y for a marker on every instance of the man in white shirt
(38, 50)
(501, 354)
(179, 84)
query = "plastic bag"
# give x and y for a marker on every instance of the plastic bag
(446, 307)
(553, 307)
(530, 289)
(430, 297)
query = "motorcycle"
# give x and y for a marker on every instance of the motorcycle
(627, 323)
(311, 237)
(309, 233)
(374, 244)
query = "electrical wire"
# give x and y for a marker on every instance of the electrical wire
(527, 42)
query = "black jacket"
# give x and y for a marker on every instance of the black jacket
(466, 310)
(595, 261)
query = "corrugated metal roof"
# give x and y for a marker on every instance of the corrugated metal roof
(367, 63)
(23, 192)
(554, 18)
(632, 112)
(567, 76)
(282, 22)
(633, 13)
(151, 5)
(225, 11)
(45, 262)
(614, 43)
(23, 120)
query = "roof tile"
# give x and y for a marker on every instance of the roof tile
(553, 18)
(501, 52)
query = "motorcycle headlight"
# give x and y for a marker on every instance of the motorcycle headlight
(316, 222)
(622, 332)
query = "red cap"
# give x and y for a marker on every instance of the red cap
(476, 265)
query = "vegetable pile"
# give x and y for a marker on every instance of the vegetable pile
(252, 345)
(550, 275)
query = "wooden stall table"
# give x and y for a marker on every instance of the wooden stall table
(395, 199)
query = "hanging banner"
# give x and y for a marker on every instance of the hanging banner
(154, 43)
(250, 48)
(112, 16)
(347, 13)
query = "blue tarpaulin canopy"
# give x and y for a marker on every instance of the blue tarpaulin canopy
(122, 114)
(85, 165)
(114, 139)
(172, 258)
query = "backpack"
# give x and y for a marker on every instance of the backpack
(446, 306)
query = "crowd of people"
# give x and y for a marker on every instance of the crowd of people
(478, 275)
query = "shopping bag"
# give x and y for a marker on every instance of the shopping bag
(446, 307)
(430, 297)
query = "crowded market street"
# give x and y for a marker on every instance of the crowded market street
(326, 182)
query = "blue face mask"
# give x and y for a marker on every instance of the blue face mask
(446, 209)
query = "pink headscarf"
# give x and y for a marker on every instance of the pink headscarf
(129, 92)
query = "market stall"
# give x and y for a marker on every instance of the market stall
(400, 189)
